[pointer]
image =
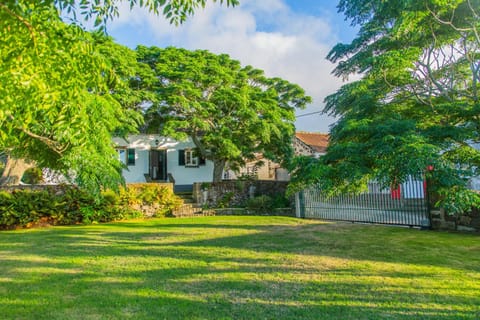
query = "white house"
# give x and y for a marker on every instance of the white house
(151, 157)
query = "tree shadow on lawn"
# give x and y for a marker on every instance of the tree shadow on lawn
(304, 271)
(154, 295)
(341, 240)
(201, 293)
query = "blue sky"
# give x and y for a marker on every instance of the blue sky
(285, 38)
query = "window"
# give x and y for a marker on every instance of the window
(191, 160)
(122, 155)
(130, 157)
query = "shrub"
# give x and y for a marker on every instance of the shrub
(280, 201)
(260, 204)
(111, 197)
(225, 200)
(32, 176)
(70, 205)
(149, 194)
(25, 207)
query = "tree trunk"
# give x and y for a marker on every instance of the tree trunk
(14, 170)
(218, 166)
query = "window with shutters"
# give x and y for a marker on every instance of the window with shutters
(126, 156)
(190, 158)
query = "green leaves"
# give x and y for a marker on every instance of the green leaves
(62, 91)
(416, 104)
(101, 11)
(231, 112)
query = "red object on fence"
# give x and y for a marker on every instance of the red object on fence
(396, 193)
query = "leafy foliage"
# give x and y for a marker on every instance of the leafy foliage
(32, 176)
(229, 111)
(63, 91)
(148, 194)
(176, 11)
(265, 204)
(417, 104)
(59, 93)
(25, 208)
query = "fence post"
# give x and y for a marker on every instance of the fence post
(299, 205)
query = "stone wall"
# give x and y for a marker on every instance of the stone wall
(236, 192)
(465, 222)
(286, 212)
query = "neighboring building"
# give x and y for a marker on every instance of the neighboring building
(310, 143)
(304, 143)
(259, 168)
(151, 158)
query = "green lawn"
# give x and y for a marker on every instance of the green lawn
(238, 268)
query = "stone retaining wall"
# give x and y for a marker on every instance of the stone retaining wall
(235, 192)
(199, 212)
(465, 222)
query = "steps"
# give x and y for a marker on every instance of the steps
(189, 208)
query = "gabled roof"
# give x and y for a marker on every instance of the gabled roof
(317, 141)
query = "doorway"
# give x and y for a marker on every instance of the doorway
(157, 167)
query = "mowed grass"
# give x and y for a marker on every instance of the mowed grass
(238, 268)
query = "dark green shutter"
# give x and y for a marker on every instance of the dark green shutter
(181, 157)
(130, 157)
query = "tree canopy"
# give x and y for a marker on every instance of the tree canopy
(230, 112)
(63, 90)
(416, 105)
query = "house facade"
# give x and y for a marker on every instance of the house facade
(259, 168)
(154, 158)
(304, 143)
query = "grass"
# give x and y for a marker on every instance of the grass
(238, 268)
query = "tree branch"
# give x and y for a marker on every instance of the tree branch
(22, 20)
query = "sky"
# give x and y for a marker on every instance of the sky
(286, 38)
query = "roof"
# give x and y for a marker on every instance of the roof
(317, 141)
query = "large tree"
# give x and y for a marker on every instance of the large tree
(62, 89)
(230, 112)
(417, 103)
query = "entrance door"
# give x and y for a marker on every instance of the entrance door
(157, 167)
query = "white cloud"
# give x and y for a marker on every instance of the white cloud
(265, 34)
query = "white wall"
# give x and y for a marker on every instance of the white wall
(144, 143)
(187, 175)
(136, 173)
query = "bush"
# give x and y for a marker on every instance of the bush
(260, 204)
(225, 200)
(32, 176)
(265, 204)
(149, 194)
(280, 201)
(26, 208)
